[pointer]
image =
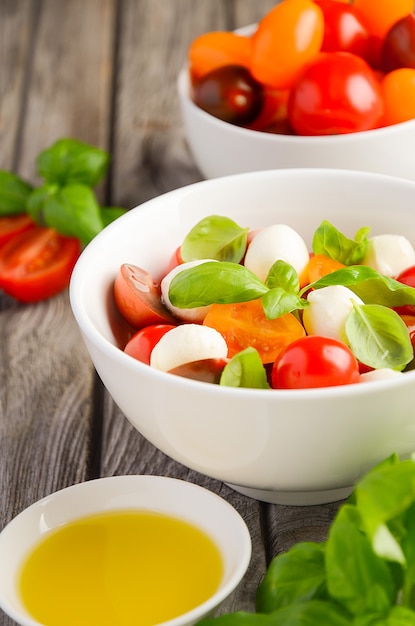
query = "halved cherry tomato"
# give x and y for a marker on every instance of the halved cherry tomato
(143, 341)
(318, 266)
(315, 361)
(243, 325)
(336, 93)
(205, 370)
(138, 298)
(37, 264)
(13, 225)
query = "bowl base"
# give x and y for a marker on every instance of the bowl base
(294, 498)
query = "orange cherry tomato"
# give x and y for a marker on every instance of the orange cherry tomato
(289, 36)
(244, 325)
(13, 225)
(318, 266)
(380, 15)
(216, 49)
(138, 298)
(37, 263)
(398, 92)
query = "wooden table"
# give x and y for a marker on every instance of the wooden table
(103, 72)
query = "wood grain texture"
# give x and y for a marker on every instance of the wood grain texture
(102, 71)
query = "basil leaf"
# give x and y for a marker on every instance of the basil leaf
(295, 576)
(369, 285)
(398, 616)
(245, 369)
(215, 237)
(14, 193)
(71, 161)
(217, 282)
(357, 578)
(38, 199)
(74, 211)
(239, 618)
(378, 337)
(277, 302)
(110, 213)
(283, 275)
(331, 242)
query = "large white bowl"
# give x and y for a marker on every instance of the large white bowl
(295, 447)
(221, 149)
(168, 496)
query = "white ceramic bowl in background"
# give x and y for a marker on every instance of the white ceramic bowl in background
(169, 496)
(221, 149)
(291, 447)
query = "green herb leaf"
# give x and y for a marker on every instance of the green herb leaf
(72, 210)
(398, 616)
(296, 576)
(14, 193)
(277, 302)
(110, 213)
(378, 337)
(369, 285)
(245, 369)
(331, 242)
(283, 275)
(215, 237)
(357, 578)
(214, 282)
(71, 161)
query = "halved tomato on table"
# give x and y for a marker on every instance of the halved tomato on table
(37, 264)
(13, 225)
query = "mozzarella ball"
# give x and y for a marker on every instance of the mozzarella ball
(196, 314)
(389, 254)
(381, 374)
(328, 310)
(187, 343)
(276, 243)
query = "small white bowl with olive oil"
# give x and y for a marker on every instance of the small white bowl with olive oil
(122, 550)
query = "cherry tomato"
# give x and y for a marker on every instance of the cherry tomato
(398, 48)
(344, 29)
(37, 264)
(380, 15)
(286, 38)
(398, 91)
(318, 266)
(273, 116)
(205, 370)
(143, 341)
(231, 94)
(314, 361)
(13, 225)
(407, 277)
(138, 298)
(243, 324)
(336, 93)
(216, 49)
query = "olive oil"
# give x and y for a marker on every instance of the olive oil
(120, 568)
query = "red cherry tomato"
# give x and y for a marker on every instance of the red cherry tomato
(230, 93)
(143, 341)
(344, 29)
(407, 277)
(314, 361)
(398, 48)
(13, 225)
(335, 94)
(138, 299)
(37, 264)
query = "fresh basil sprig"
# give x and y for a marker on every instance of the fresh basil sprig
(245, 369)
(65, 201)
(331, 242)
(215, 237)
(363, 574)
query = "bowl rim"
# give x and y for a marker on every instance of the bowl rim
(112, 351)
(156, 484)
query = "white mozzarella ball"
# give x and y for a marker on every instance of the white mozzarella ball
(196, 314)
(381, 374)
(275, 243)
(389, 254)
(328, 310)
(187, 343)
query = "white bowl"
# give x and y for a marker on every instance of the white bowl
(168, 496)
(220, 148)
(290, 447)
